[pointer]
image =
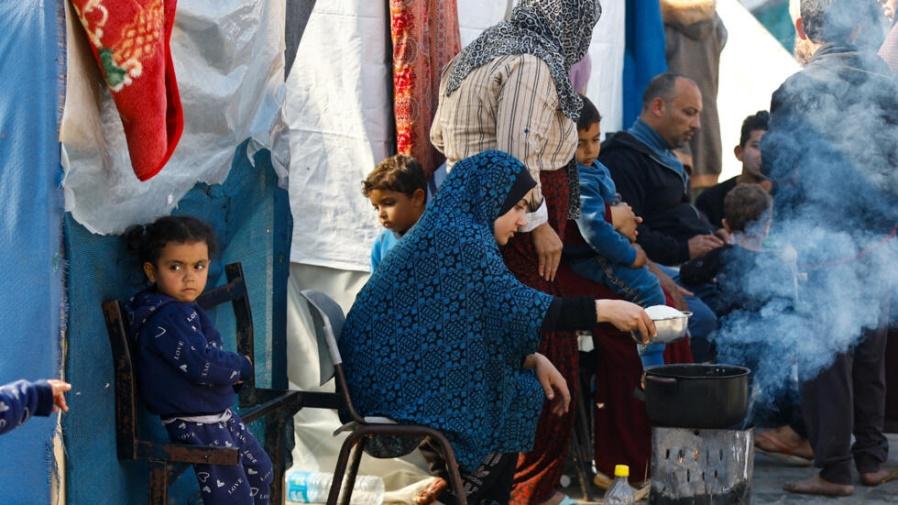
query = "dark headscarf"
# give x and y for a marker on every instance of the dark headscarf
(439, 333)
(556, 31)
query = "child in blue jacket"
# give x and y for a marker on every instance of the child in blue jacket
(610, 256)
(185, 375)
(22, 399)
(397, 189)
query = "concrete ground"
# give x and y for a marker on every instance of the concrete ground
(770, 475)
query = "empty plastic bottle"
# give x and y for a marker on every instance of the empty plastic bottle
(620, 492)
(313, 487)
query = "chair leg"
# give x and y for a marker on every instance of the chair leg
(353, 470)
(340, 469)
(458, 487)
(274, 446)
(158, 485)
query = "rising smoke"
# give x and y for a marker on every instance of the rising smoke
(832, 149)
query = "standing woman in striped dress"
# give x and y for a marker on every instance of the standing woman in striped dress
(510, 90)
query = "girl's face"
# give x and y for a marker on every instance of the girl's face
(505, 226)
(181, 271)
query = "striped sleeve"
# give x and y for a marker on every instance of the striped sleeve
(526, 111)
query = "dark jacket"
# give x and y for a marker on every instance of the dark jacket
(658, 194)
(182, 367)
(832, 146)
(710, 202)
(22, 399)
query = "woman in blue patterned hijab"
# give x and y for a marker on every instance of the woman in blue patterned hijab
(441, 333)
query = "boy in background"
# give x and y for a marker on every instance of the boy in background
(710, 202)
(397, 189)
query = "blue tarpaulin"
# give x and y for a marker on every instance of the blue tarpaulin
(644, 56)
(30, 231)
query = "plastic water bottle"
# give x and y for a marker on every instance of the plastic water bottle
(313, 487)
(620, 492)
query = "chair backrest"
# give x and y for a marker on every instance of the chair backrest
(327, 319)
(126, 440)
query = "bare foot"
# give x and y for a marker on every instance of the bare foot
(818, 486)
(785, 441)
(430, 493)
(880, 476)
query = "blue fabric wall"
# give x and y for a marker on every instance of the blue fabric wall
(644, 56)
(251, 217)
(30, 231)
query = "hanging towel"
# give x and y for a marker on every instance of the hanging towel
(130, 42)
(425, 37)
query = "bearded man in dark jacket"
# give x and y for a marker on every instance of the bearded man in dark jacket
(831, 152)
(651, 179)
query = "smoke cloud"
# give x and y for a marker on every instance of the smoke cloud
(832, 149)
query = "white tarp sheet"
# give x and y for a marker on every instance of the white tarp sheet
(229, 62)
(606, 88)
(753, 64)
(339, 109)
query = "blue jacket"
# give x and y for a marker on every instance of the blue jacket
(382, 245)
(182, 367)
(22, 399)
(597, 189)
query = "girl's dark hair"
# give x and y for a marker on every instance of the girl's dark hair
(147, 241)
(589, 115)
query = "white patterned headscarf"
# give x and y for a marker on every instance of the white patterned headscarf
(556, 31)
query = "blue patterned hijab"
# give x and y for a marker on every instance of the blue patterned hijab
(555, 31)
(439, 333)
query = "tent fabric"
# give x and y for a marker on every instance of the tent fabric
(425, 38)
(31, 286)
(229, 58)
(339, 111)
(644, 55)
(605, 88)
(743, 90)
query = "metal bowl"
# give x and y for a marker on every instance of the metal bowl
(672, 328)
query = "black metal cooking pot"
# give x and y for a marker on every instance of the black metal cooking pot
(697, 396)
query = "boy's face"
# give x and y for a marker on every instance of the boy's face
(397, 211)
(750, 153)
(588, 145)
(181, 271)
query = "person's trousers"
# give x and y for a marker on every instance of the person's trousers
(246, 483)
(848, 397)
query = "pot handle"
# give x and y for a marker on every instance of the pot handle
(664, 382)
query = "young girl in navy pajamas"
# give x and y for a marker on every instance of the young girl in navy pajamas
(184, 374)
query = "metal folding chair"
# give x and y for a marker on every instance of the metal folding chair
(328, 321)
